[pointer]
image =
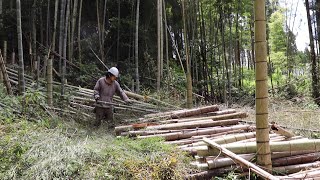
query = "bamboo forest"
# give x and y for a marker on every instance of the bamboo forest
(160, 89)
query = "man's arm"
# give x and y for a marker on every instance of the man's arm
(96, 91)
(121, 93)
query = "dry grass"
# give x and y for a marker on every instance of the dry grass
(301, 117)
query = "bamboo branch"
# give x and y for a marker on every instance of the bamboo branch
(240, 160)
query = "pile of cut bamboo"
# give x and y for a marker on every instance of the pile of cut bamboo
(221, 143)
(82, 98)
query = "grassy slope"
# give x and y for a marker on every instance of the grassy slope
(36, 146)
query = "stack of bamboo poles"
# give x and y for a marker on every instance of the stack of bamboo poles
(82, 98)
(233, 145)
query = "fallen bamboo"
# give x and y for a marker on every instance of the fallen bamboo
(195, 139)
(113, 104)
(196, 124)
(296, 168)
(282, 146)
(188, 134)
(148, 98)
(310, 174)
(147, 133)
(187, 112)
(220, 117)
(222, 112)
(240, 160)
(209, 173)
(277, 155)
(223, 162)
(229, 138)
(298, 159)
(279, 130)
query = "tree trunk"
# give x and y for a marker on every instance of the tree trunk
(34, 39)
(101, 28)
(48, 26)
(1, 36)
(137, 49)
(49, 69)
(314, 69)
(61, 31)
(64, 65)
(79, 32)
(263, 146)
(159, 44)
(167, 39)
(118, 30)
(252, 43)
(186, 46)
(73, 27)
(21, 79)
(161, 39)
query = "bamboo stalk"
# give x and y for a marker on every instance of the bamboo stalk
(296, 168)
(195, 124)
(188, 134)
(283, 146)
(187, 112)
(223, 162)
(229, 138)
(311, 174)
(276, 155)
(279, 130)
(240, 160)
(220, 117)
(209, 173)
(195, 139)
(147, 133)
(298, 159)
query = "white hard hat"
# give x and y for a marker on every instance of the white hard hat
(114, 71)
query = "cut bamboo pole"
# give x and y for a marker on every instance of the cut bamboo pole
(219, 117)
(209, 173)
(180, 113)
(229, 138)
(282, 146)
(296, 168)
(311, 174)
(147, 133)
(298, 159)
(195, 124)
(188, 134)
(276, 155)
(279, 130)
(194, 139)
(223, 162)
(240, 160)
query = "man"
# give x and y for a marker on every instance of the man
(104, 90)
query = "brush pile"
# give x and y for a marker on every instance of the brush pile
(221, 142)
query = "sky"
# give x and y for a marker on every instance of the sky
(297, 16)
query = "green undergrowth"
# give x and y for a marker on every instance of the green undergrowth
(34, 145)
(30, 152)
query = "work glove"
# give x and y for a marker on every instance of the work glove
(97, 98)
